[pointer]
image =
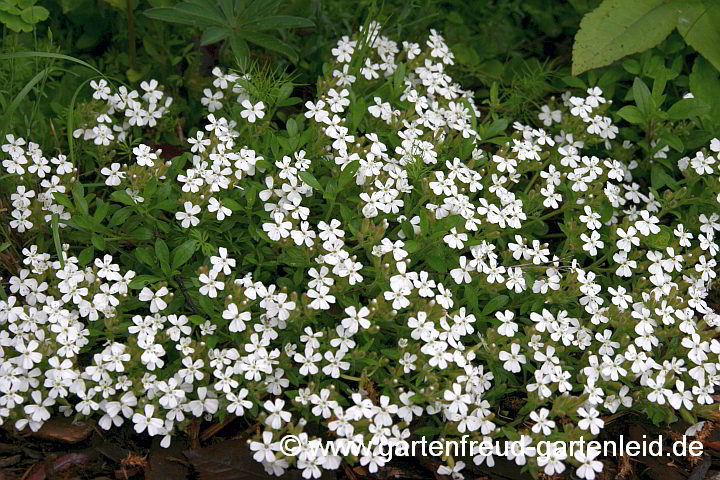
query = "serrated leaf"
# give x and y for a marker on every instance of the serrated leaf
(618, 28)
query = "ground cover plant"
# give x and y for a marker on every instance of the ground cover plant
(383, 260)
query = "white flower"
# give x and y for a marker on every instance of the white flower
(216, 206)
(114, 175)
(157, 303)
(512, 359)
(142, 422)
(252, 112)
(210, 284)
(188, 217)
(277, 416)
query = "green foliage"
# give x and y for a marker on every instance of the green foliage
(21, 15)
(238, 22)
(618, 28)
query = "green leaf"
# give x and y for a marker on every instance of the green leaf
(674, 142)
(162, 252)
(631, 114)
(705, 85)
(618, 28)
(643, 97)
(142, 233)
(496, 303)
(272, 43)
(214, 34)
(78, 194)
(34, 14)
(86, 255)
(188, 14)
(436, 260)
(239, 48)
(143, 280)
(120, 216)
(279, 22)
(472, 298)
(182, 253)
(292, 127)
(63, 200)
(146, 256)
(699, 24)
(56, 239)
(688, 108)
(58, 56)
(98, 241)
(40, 76)
(308, 178)
(348, 173)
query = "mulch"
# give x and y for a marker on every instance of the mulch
(62, 450)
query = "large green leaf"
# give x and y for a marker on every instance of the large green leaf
(280, 21)
(699, 23)
(688, 108)
(618, 28)
(271, 43)
(187, 14)
(705, 85)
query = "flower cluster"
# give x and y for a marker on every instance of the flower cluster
(122, 110)
(378, 267)
(30, 208)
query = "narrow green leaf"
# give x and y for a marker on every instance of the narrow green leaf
(496, 303)
(308, 178)
(348, 173)
(272, 43)
(279, 22)
(162, 252)
(182, 253)
(56, 238)
(643, 97)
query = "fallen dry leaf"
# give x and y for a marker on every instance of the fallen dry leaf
(161, 463)
(68, 461)
(63, 430)
(231, 460)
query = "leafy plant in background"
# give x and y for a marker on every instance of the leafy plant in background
(346, 239)
(618, 28)
(238, 22)
(21, 15)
